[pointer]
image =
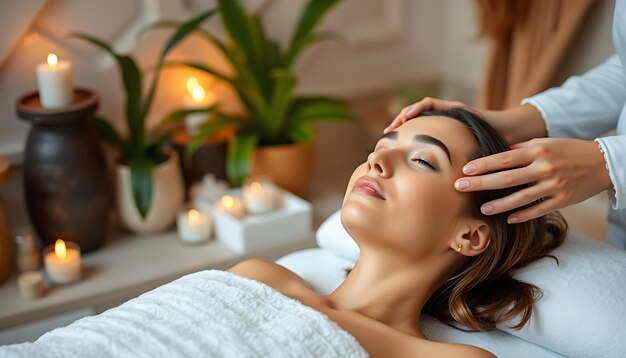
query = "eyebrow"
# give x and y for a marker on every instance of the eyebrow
(422, 138)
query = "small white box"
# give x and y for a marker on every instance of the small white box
(290, 223)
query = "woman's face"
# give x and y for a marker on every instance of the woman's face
(402, 198)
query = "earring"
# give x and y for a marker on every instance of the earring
(459, 248)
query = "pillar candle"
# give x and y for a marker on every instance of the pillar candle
(54, 79)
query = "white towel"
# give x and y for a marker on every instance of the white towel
(205, 314)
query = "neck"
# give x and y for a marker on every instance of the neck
(391, 289)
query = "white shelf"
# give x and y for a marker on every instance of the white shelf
(126, 267)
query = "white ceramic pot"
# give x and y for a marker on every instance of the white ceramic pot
(167, 198)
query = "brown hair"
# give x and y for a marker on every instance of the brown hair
(482, 293)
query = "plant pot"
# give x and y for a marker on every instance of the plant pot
(291, 166)
(167, 197)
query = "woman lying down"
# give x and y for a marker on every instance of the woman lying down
(425, 248)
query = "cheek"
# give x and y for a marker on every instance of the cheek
(424, 213)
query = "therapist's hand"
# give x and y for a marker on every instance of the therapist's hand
(560, 171)
(515, 125)
(426, 104)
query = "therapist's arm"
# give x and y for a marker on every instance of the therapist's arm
(585, 106)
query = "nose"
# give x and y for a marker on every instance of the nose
(378, 163)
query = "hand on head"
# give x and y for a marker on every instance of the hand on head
(562, 172)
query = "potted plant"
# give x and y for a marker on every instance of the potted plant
(275, 137)
(149, 184)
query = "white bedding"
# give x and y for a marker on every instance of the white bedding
(325, 271)
(205, 314)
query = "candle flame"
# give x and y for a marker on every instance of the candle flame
(196, 90)
(256, 186)
(59, 249)
(193, 215)
(52, 60)
(227, 201)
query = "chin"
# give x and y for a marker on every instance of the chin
(360, 219)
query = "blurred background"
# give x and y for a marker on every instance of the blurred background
(387, 54)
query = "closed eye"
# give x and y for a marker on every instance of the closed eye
(423, 162)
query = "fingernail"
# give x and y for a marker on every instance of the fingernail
(462, 184)
(486, 209)
(512, 220)
(409, 111)
(469, 169)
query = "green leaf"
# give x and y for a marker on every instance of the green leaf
(177, 116)
(200, 67)
(318, 109)
(282, 96)
(179, 35)
(301, 134)
(309, 18)
(239, 157)
(208, 129)
(141, 183)
(132, 84)
(241, 30)
(110, 134)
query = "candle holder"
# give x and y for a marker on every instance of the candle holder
(66, 185)
(292, 221)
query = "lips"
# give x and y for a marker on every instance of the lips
(368, 186)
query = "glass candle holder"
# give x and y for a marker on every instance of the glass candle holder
(62, 261)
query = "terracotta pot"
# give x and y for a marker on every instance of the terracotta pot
(291, 166)
(167, 198)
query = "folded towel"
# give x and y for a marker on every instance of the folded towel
(205, 314)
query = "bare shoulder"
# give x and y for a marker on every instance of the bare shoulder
(269, 273)
(467, 351)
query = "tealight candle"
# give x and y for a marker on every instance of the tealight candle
(54, 79)
(62, 262)
(260, 195)
(231, 205)
(198, 98)
(194, 226)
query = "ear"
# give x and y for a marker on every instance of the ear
(474, 236)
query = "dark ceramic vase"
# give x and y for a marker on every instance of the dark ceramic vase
(66, 185)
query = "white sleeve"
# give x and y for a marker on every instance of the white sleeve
(584, 106)
(614, 148)
(587, 106)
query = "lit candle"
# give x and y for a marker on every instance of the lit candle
(194, 226)
(231, 205)
(198, 98)
(62, 262)
(54, 79)
(260, 195)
